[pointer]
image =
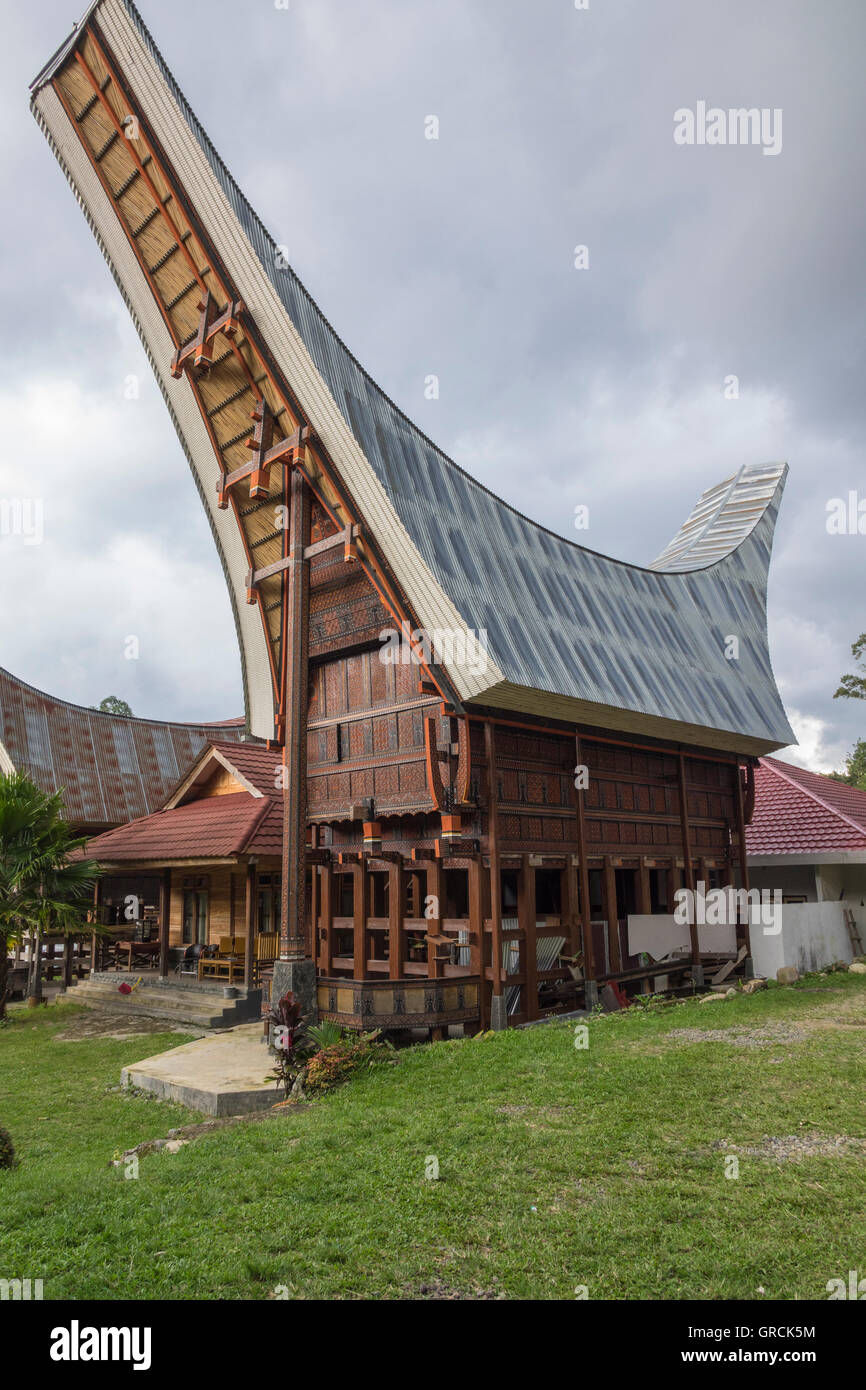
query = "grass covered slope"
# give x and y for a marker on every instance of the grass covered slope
(559, 1167)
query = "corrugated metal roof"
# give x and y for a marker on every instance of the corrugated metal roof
(111, 768)
(560, 619)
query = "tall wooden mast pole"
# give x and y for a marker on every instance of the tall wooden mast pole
(293, 713)
(498, 1015)
(689, 870)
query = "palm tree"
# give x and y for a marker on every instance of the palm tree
(43, 888)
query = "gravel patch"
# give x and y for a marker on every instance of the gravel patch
(793, 1147)
(104, 1024)
(767, 1035)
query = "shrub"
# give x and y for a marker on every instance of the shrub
(334, 1064)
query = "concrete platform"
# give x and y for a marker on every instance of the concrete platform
(225, 1074)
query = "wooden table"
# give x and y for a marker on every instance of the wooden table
(221, 967)
(143, 950)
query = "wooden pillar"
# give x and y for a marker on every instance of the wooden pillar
(250, 924)
(68, 949)
(396, 932)
(434, 923)
(359, 920)
(325, 949)
(688, 866)
(312, 932)
(94, 939)
(476, 933)
(164, 920)
(528, 944)
(644, 891)
(744, 936)
(645, 907)
(610, 912)
(590, 970)
(495, 874)
(295, 669)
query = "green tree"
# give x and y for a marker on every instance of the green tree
(853, 686)
(112, 705)
(43, 889)
(855, 767)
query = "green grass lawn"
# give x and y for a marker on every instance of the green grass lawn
(558, 1167)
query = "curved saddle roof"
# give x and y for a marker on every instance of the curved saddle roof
(111, 768)
(571, 634)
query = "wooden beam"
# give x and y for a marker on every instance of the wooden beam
(434, 890)
(396, 903)
(293, 717)
(199, 352)
(589, 962)
(610, 912)
(359, 920)
(688, 866)
(325, 947)
(744, 934)
(164, 920)
(343, 538)
(476, 929)
(528, 947)
(250, 924)
(493, 846)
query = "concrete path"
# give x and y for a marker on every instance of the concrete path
(225, 1074)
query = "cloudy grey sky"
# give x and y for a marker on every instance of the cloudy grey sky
(558, 386)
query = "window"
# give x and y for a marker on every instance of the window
(268, 890)
(195, 916)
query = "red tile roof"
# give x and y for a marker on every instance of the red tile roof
(798, 812)
(210, 827)
(217, 827)
(255, 763)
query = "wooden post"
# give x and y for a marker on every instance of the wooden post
(498, 1017)
(528, 944)
(476, 931)
(164, 921)
(295, 668)
(745, 935)
(396, 896)
(688, 866)
(68, 948)
(644, 906)
(434, 924)
(312, 934)
(589, 962)
(326, 939)
(250, 923)
(94, 939)
(359, 920)
(610, 912)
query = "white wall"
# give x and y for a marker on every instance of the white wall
(813, 935)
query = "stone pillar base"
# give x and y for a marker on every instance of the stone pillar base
(299, 977)
(498, 1013)
(590, 995)
(698, 974)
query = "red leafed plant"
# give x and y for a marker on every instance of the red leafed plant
(291, 1041)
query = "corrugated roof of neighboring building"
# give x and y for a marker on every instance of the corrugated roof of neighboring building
(111, 768)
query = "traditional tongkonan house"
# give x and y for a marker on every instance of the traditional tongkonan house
(497, 746)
